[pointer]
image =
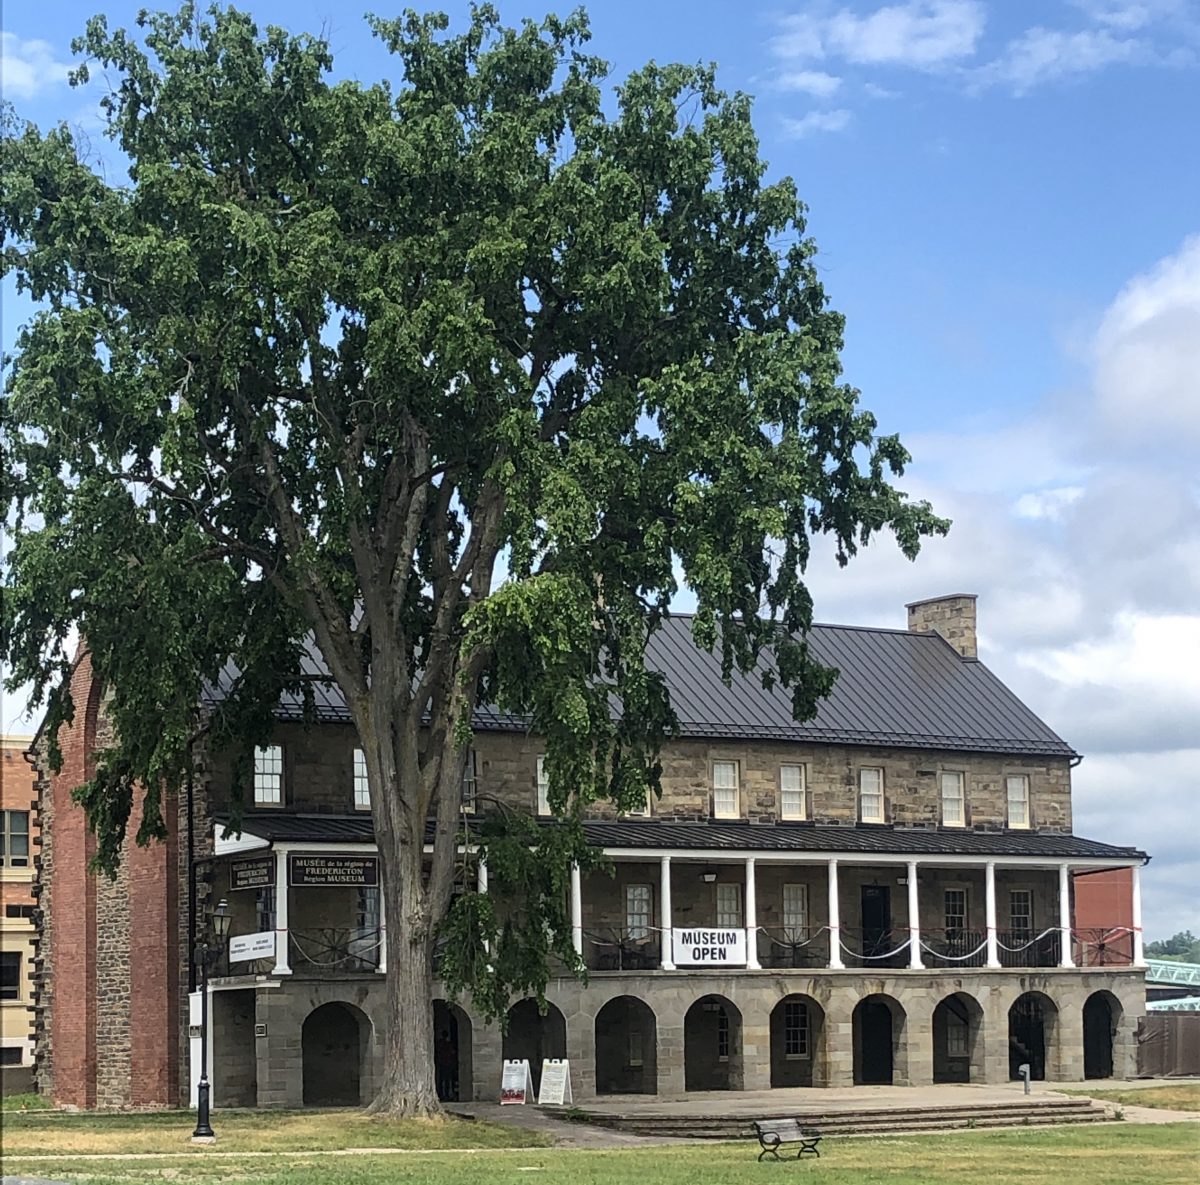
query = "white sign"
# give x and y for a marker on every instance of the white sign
(516, 1083)
(709, 948)
(556, 1083)
(252, 946)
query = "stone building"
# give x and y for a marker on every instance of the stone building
(17, 931)
(883, 894)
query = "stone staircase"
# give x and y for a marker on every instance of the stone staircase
(864, 1121)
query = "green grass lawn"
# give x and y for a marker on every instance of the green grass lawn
(1120, 1154)
(1179, 1096)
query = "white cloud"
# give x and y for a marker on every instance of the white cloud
(811, 82)
(1047, 504)
(1121, 14)
(817, 121)
(28, 67)
(919, 34)
(1048, 55)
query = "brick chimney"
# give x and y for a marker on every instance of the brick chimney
(952, 616)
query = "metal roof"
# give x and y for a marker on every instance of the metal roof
(666, 835)
(894, 687)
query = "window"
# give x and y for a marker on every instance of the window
(956, 909)
(1018, 800)
(543, 788)
(957, 1032)
(635, 1047)
(264, 908)
(637, 911)
(25, 912)
(639, 812)
(15, 853)
(362, 791)
(10, 1055)
(722, 1035)
(1020, 910)
(268, 775)
(368, 908)
(954, 801)
(795, 913)
(725, 789)
(792, 790)
(10, 975)
(729, 906)
(870, 795)
(795, 1029)
(468, 783)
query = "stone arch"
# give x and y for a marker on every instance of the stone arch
(1102, 1014)
(530, 1036)
(712, 1045)
(880, 1046)
(797, 1042)
(334, 1047)
(958, 1039)
(626, 1047)
(1032, 1034)
(452, 1053)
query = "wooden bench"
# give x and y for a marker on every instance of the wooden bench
(774, 1133)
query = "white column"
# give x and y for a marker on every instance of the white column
(1064, 915)
(1139, 954)
(914, 919)
(664, 905)
(382, 932)
(752, 963)
(576, 910)
(835, 921)
(281, 914)
(993, 950)
(481, 885)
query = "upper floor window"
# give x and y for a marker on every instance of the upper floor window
(268, 775)
(10, 975)
(362, 789)
(640, 811)
(729, 906)
(870, 794)
(468, 783)
(725, 790)
(795, 912)
(793, 791)
(637, 911)
(954, 799)
(1018, 800)
(264, 908)
(15, 852)
(955, 902)
(1020, 910)
(543, 788)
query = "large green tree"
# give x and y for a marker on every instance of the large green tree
(460, 377)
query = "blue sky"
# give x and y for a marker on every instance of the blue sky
(1007, 200)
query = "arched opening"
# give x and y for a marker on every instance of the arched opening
(878, 1041)
(626, 1048)
(1031, 1026)
(532, 1037)
(797, 1042)
(957, 1039)
(1101, 1016)
(712, 1045)
(333, 1047)
(452, 1052)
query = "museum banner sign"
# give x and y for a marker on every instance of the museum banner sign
(709, 948)
(257, 873)
(333, 870)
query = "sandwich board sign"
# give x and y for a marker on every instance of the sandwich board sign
(516, 1082)
(556, 1082)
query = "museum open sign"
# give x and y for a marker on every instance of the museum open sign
(709, 948)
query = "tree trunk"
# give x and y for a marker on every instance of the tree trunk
(407, 1088)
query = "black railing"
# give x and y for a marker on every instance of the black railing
(794, 946)
(1029, 948)
(875, 948)
(1111, 947)
(335, 951)
(953, 947)
(622, 949)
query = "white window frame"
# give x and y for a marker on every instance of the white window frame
(730, 915)
(470, 783)
(1024, 822)
(639, 911)
(542, 801)
(796, 1044)
(952, 792)
(793, 793)
(362, 785)
(16, 957)
(878, 793)
(721, 809)
(795, 911)
(644, 813)
(268, 775)
(7, 857)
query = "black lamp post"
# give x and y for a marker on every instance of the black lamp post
(207, 954)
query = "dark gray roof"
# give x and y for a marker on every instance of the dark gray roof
(893, 688)
(663, 834)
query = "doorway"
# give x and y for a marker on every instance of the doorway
(451, 1052)
(1030, 1022)
(876, 919)
(878, 1024)
(1099, 1025)
(333, 1047)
